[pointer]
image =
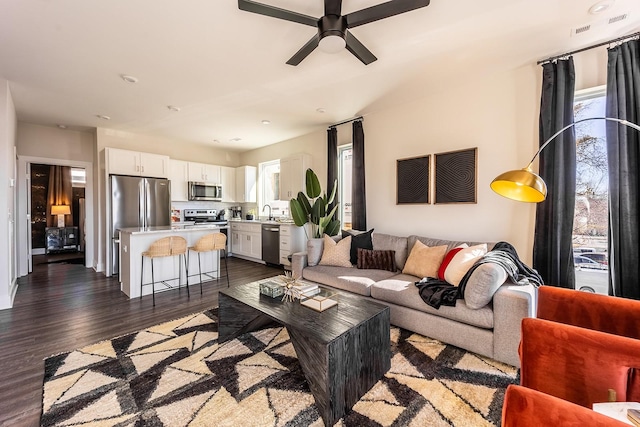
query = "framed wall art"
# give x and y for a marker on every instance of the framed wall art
(412, 180)
(456, 176)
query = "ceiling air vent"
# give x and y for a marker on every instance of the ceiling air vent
(618, 18)
(580, 30)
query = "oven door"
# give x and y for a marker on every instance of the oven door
(204, 191)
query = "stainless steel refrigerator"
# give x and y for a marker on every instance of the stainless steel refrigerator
(137, 202)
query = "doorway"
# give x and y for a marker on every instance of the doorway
(51, 243)
(24, 215)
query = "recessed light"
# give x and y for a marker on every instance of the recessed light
(62, 126)
(600, 7)
(173, 108)
(321, 110)
(235, 139)
(103, 117)
(129, 79)
(266, 122)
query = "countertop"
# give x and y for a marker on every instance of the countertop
(263, 221)
(164, 229)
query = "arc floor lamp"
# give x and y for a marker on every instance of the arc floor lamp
(524, 185)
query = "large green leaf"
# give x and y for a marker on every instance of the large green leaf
(318, 210)
(313, 184)
(298, 213)
(304, 202)
(333, 227)
(333, 192)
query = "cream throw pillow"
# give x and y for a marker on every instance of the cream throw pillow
(424, 260)
(336, 254)
(462, 262)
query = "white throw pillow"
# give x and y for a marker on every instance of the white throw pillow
(462, 262)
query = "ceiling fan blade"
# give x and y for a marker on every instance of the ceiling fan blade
(333, 7)
(383, 10)
(362, 53)
(304, 51)
(276, 12)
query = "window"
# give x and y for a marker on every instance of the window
(590, 225)
(78, 177)
(269, 190)
(345, 154)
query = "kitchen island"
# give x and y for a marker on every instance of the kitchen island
(136, 240)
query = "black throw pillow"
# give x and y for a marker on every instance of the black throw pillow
(359, 239)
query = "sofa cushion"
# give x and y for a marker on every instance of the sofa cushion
(346, 278)
(401, 290)
(424, 261)
(429, 241)
(376, 259)
(447, 259)
(359, 239)
(336, 253)
(387, 242)
(483, 283)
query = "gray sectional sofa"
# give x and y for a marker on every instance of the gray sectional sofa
(492, 330)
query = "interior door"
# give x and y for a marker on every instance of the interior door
(29, 221)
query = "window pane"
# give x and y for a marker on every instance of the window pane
(590, 225)
(344, 182)
(270, 190)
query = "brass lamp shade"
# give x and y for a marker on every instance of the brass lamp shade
(522, 185)
(60, 210)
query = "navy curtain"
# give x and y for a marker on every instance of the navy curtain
(552, 246)
(332, 166)
(358, 193)
(623, 151)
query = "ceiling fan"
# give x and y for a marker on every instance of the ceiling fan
(333, 34)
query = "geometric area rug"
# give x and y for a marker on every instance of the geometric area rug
(176, 374)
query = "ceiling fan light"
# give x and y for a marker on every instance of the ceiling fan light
(332, 44)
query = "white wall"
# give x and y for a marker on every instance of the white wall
(8, 124)
(54, 143)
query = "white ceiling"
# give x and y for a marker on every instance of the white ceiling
(225, 69)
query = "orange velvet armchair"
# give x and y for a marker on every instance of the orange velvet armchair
(577, 364)
(524, 407)
(619, 316)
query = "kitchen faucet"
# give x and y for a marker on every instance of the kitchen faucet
(267, 206)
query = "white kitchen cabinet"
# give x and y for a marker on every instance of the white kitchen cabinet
(201, 172)
(292, 240)
(292, 175)
(179, 175)
(228, 181)
(246, 240)
(246, 184)
(135, 163)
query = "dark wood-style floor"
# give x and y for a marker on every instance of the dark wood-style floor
(61, 307)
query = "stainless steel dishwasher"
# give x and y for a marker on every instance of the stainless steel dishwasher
(271, 243)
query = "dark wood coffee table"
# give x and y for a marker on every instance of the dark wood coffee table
(343, 351)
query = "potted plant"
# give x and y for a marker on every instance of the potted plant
(311, 208)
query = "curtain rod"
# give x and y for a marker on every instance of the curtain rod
(346, 121)
(553, 58)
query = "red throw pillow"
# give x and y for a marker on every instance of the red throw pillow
(447, 259)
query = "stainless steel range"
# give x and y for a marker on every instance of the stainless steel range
(205, 217)
(208, 218)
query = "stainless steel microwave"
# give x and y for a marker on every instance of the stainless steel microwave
(205, 191)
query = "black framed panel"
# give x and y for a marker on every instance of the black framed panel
(456, 176)
(412, 180)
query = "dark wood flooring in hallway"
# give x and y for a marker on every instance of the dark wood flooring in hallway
(61, 307)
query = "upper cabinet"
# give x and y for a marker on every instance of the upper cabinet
(200, 172)
(246, 184)
(125, 162)
(292, 175)
(228, 181)
(179, 175)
